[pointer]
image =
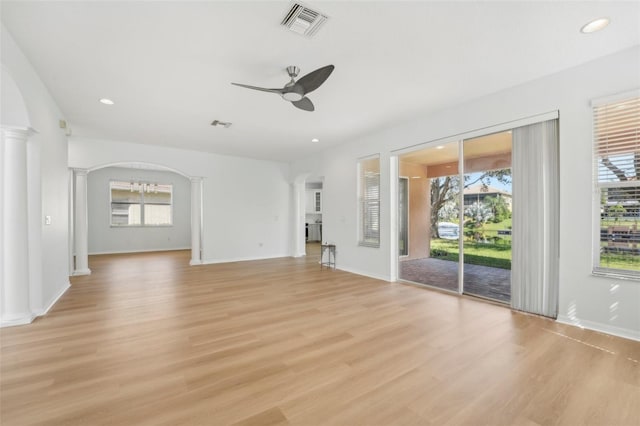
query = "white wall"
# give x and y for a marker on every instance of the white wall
(47, 179)
(246, 203)
(604, 304)
(106, 239)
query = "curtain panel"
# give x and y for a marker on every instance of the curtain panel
(535, 240)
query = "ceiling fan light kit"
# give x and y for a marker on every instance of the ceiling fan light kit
(296, 91)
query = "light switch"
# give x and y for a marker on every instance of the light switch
(47, 220)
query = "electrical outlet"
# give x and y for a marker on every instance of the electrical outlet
(47, 220)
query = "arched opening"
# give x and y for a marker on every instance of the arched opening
(156, 225)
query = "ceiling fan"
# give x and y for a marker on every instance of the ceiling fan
(296, 91)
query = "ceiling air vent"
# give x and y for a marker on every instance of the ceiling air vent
(218, 123)
(302, 20)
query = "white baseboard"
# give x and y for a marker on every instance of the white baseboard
(79, 272)
(54, 300)
(602, 328)
(138, 251)
(22, 320)
(242, 259)
(366, 274)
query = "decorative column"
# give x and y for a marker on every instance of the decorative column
(196, 221)
(16, 307)
(81, 229)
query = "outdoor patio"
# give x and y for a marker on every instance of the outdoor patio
(484, 281)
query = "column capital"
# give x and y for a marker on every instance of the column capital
(79, 172)
(196, 179)
(20, 133)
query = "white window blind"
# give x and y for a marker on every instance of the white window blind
(369, 201)
(617, 185)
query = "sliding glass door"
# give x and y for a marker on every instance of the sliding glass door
(451, 210)
(487, 199)
(403, 216)
(431, 208)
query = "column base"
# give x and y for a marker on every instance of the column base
(194, 262)
(81, 272)
(18, 320)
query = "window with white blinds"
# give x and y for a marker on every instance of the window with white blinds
(617, 185)
(369, 201)
(141, 204)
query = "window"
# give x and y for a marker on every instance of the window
(140, 204)
(369, 201)
(617, 186)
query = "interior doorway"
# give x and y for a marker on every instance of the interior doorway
(313, 203)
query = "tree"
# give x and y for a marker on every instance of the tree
(478, 214)
(443, 190)
(449, 211)
(446, 189)
(616, 212)
(498, 207)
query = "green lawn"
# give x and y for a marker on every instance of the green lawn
(496, 252)
(627, 262)
(487, 254)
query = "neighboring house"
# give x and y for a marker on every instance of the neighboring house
(478, 193)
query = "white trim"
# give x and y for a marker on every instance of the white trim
(242, 259)
(54, 300)
(623, 184)
(370, 156)
(141, 165)
(24, 320)
(137, 251)
(365, 274)
(600, 327)
(79, 272)
(483, 131)
(614, 98)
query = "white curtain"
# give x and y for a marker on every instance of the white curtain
(535, 240)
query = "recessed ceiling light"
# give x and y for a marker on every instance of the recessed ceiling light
(106, 101)
(595, 25)
(440, 147)
(314, 140)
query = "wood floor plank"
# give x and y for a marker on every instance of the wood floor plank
(148, 339)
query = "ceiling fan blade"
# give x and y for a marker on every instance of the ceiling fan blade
(262, 89)
(305, 104)
(314, 79)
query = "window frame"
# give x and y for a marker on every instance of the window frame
(602, 184)
(368, 237)
(142, 204)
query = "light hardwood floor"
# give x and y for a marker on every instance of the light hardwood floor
(146, 339)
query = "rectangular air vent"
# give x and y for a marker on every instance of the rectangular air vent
(218, 123)
(302, 20)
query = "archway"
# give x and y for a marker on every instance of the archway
(17, 229)
(78, 243)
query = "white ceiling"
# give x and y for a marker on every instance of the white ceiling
(169, 65)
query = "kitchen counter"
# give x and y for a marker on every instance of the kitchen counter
(314, 231)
